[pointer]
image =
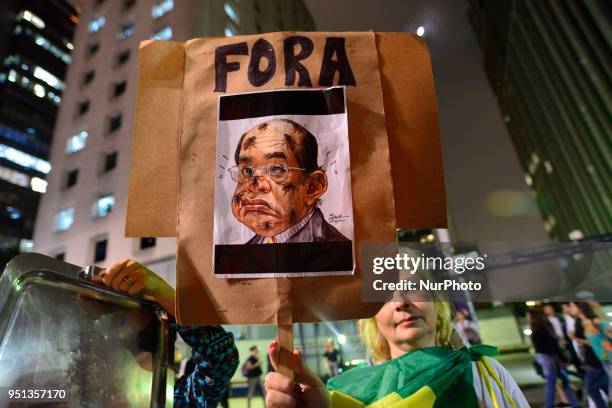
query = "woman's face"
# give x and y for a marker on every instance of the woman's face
(407, 326)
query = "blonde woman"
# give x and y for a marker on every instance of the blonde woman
(415, 367)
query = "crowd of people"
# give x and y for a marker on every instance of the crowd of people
(573, 340)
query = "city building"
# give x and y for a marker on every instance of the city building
(82, 216)
(35, 49)
(548, 63)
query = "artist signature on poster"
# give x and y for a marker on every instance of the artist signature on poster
(336, 218)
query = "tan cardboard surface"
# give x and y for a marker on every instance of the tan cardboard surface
(411, 119)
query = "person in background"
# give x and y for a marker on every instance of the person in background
(332, 356)
(214, 354)
(547, 353)
(571, 345)
(415, 366)
(253, 371)
(465, 326)
(595, 377)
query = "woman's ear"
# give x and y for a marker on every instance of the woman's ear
(317, 186)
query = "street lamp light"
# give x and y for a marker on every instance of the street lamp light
(420, 31)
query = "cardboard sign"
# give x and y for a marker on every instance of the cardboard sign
(394, 158)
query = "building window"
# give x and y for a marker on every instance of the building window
(64, 219)
(231, 13)
(100, 247)
(92, 49)
(48, 78)
(125, 31)
(161, 7)
(15, 177)
(229, 31)
(24, 159)
(88, 77)
(114, 122)
(77, 142)
(148, 242)
(104, 205)
(96, 24)
(123, 57)
(119, 88)
(110, 161)
(60, 256)
(128, 4)
(72, 177)
(39, 185)
(164, 34)
(27, 15)
(83, 107)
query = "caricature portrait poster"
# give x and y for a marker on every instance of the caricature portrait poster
(283, 204)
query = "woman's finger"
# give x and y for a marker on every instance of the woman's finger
(130, 268)
(110, 272)
(303, 373)
(274, 353)
(278, 382)
(138, 285)
(276, 399)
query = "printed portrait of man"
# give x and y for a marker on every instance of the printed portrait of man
(279, 184)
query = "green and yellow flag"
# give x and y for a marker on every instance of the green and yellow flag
(431, 377)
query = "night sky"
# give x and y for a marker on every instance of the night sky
(483, 175)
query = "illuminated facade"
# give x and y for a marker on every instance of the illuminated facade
(82, 216)
(548, 63)
(35, 49)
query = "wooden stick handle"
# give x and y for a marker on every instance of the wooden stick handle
(285, 340)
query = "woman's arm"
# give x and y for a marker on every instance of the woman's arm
(212, 348)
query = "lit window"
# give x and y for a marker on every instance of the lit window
(229, 31)
(77, 142)
(12, 76)
(96, 24)
(161, 7)
(231, 13)
(104, 205)
(15, 177)
(126, 31)
(24, 159)
(27, 15)
(13, 213)
(164, 34)
(46, 44)
(64, 219)
(25, 245)
(39, 185)
(49, 78)
(100, 247)
(39, 91)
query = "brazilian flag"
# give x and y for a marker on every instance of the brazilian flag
(432, 377)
